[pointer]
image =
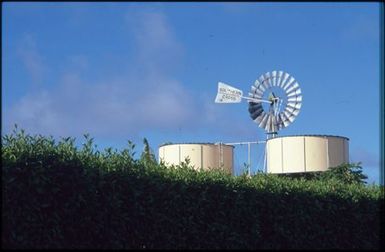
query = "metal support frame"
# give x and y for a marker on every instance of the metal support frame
(248, 159)
(248, 152)
(265, 160)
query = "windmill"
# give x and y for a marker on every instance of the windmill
(274, 101)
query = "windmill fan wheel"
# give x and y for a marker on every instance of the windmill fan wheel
(285, 100)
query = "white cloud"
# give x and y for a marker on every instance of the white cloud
(144, 98)
(31, 58)
(158, 48)
(36, 112)
(122, 105)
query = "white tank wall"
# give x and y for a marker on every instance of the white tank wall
(305, 153)
(204, 156)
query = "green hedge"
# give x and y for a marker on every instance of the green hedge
(55, 195)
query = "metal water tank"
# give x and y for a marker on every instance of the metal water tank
(306, 153)
(201, 155)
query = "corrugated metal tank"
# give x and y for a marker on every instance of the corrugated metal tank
(306, 153)
(202, 155)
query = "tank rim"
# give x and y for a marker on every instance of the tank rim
(166, 144)
(310, 135)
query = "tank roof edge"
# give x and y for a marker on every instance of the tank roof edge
(310, 135)
(199, 143)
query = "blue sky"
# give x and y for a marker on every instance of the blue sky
(124, 71)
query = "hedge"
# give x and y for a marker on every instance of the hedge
(56, 195)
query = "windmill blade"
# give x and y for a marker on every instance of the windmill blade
(278, 123)
(291, 117)
(260, 86)
(297, 99)
(259, 118)
(257, 95)
(285, 77)
(294, 105)
(289, 83)
(254, 115)
(255, 110)
(274, 78)
(285, 120)
(296, 92)
(264, 121)
(251, 107)
(295, 113)
(256, 90)
(279, 78)
(283, 117)
(268, 80)
(294, 86)
(273, 124)
(259, 92)
(298, 105)
(263, 81)
(254, 106)
(269, 123)
(289, 109)
(288, 115)
(281, 121)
